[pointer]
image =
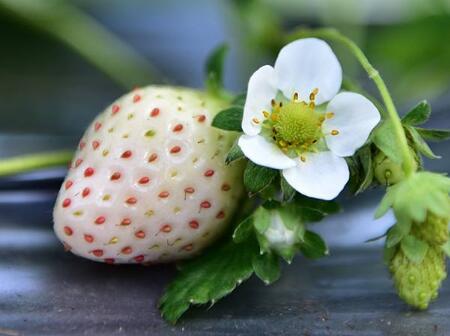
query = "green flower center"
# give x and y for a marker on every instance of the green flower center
(296, 124)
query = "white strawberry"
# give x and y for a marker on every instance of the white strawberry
(148, 182)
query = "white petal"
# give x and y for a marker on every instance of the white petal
(354, 118)
(306, 64)
(261, 90)
(264, 153)
(323, 175)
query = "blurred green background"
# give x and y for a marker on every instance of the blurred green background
(63, 61)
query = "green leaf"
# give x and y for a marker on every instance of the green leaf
(208, 278)
(261, 219)
(286, 189)
(256, 178)
(395, 235)
(244, 230)
(214, 68)
(239, 100)
(313, 246)
(415, 249)
(434, 134)
(229, 119)
(325, 207)
(267, 267)
(384, 138)
(419, 143)
(418, 115)
(235, 153)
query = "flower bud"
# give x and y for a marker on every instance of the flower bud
(388, 172)
(418, 283)
(277, 234)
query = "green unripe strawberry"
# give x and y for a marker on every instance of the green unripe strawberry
(434, 230)
(418, 283)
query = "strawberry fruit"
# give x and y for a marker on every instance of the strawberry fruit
(148, 182)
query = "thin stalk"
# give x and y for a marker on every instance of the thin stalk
(392, 115)
(25, 163)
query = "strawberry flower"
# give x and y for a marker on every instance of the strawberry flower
(288, 126)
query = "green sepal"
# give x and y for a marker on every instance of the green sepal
(244, 230)
(388, 254)
(384, 138)
(418, 115)
(446, 248)
(235, 153)
(434, 134)
(419, 143)
(208, 278)
(261, 219)
(313, 246)
(287, 253)
(229, 119)
(290, 215)
(413, 197)
(395, 234)
(361, 170)
(267, 267)
(214, 69)
(414, 249)
(256, 178)
(287, 191)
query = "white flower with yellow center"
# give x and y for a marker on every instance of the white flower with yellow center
(287, 126)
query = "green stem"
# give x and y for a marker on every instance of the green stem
(334, 35)
(20, 164)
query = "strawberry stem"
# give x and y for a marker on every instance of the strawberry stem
(25, 163)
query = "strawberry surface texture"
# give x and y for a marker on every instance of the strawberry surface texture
(148, 182)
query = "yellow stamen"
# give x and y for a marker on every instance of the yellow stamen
(282, 143)
(266, 114)
(302, 158)
(295, 96)
(273, 102)
(329, 115)
(312, 104)
(334, 132)
(255, 120)
(313, 94)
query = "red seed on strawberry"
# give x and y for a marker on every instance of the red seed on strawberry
(154, 112)
(98, 253)
(144, 180)
(68, 231)
(86, 192)
(127, 154)
(66, 203)
(68, 184)
(89, 172)
(89, 238)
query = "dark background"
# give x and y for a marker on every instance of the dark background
(62, 62)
